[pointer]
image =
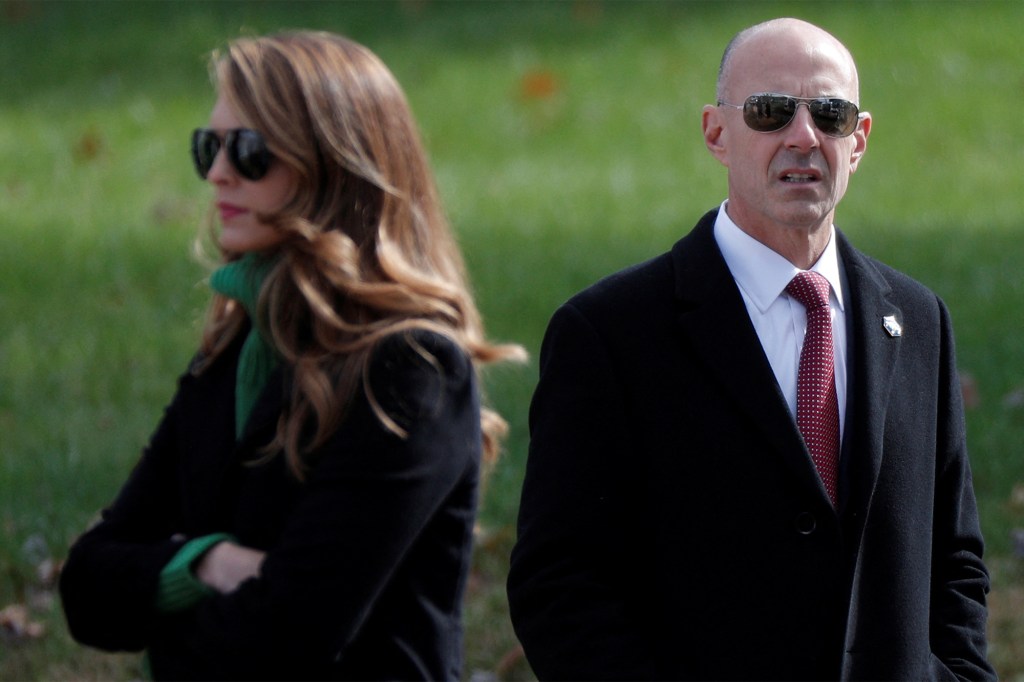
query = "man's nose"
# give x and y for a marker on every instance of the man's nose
(801, 133)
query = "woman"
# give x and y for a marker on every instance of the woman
(305, 508)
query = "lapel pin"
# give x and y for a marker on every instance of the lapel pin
(892, 326)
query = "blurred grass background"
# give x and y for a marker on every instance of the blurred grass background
(566, 140)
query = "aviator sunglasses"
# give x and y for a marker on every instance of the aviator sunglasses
(767, 112)
(247, 151)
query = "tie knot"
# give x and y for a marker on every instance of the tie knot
(810, 288)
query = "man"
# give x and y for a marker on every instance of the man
(686, 514)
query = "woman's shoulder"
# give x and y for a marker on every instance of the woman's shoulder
(420, 350)
(417, 372)
(204, 361)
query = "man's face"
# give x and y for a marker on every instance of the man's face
(793, 178)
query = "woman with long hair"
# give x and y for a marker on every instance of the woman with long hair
(305, 508)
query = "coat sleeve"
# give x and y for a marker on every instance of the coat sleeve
(363, 508)
(960, 581)
(572, 591)
(110, 577)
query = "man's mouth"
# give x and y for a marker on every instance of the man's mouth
(799, 177)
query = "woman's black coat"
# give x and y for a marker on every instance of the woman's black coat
(366, 560)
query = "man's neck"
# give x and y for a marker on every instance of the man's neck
(800, 245)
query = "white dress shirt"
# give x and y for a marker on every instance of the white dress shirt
(779, 319)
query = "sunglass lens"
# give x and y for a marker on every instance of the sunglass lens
(765, 113)
(205, 145)
(249, 153)
(835, 117)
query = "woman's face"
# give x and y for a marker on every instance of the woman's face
(238, 200)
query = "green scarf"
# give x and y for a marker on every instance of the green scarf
(241, 280)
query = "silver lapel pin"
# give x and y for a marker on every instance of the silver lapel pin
(892, 326)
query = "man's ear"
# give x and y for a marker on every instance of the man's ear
(860, 138)
(714, 132)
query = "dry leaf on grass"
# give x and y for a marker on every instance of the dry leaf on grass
(1017, 538)
(1017, 496)
(15, 624)
(539, 85)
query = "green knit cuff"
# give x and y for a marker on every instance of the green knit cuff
(179, 589)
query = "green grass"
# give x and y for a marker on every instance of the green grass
(100, 302)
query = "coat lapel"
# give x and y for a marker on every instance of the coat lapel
(262, 424)
(874, 339)
(714, 321)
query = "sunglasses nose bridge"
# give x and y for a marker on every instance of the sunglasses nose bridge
(220, 165)
(783, 109)
(801, 128)
(806, 105)
(246, 155)
(206, 147)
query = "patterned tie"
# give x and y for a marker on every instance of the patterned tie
(817, 409)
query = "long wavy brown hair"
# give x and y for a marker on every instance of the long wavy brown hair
(369, 251)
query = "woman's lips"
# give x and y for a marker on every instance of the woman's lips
(229, 211)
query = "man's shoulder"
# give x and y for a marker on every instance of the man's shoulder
(901, 285)
(633, 285)
(654, 282)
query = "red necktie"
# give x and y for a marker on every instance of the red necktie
(817, 410)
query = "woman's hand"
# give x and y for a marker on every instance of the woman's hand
(227, 565)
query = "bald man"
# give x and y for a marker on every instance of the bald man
(747, 455)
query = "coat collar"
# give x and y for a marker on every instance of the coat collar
(713, 318)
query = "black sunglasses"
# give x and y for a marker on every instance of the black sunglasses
(247, 151)
(767, 112)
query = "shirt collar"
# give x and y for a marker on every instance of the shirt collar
(762, 273)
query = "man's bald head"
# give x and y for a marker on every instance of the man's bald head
(746, 45)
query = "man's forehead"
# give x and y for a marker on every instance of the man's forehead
(794, 64)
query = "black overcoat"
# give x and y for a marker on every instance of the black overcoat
(366, 560)
(672, 523)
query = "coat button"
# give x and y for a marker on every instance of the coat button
(806, 523)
